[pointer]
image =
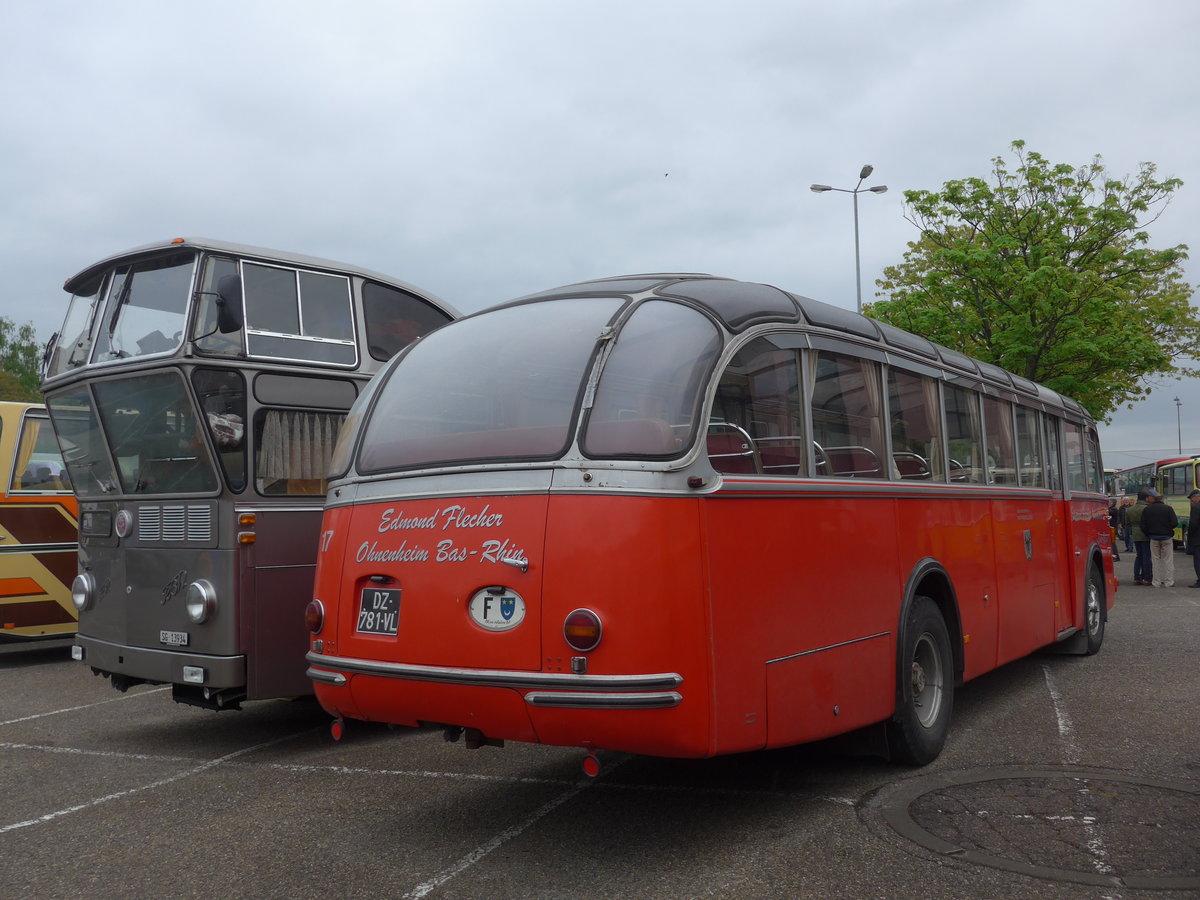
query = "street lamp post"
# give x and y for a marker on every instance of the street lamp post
(863, 174)
(1179, 425)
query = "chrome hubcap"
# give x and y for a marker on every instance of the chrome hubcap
(927, 680)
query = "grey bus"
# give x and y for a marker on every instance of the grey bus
(196, 389)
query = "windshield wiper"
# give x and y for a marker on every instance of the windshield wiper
(105, 486)
(122, 299)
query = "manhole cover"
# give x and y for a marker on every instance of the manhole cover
(1081, 825)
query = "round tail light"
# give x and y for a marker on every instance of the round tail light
(582, 630)
(314, 616)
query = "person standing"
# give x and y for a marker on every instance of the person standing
(1115, 517)
(1193, 534)
(1125, 529)
(1141, 546)
(1158, 523)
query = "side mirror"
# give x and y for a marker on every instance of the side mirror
(229, 304)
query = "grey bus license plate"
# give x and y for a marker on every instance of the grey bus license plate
(378, 611)
(173, 638)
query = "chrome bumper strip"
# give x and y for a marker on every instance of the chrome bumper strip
(337, 679)
(578, 700)
(507, 678)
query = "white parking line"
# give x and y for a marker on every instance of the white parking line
(1100, 858)
(502, 838)
(303, 769)
(195, 770)
(55, 712)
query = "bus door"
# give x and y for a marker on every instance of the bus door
(38, 529)
(1084, 481)
(279, 545)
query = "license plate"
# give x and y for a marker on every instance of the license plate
(173, 638)
(378, 611)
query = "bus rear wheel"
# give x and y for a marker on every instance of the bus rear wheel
(1093, 611)
(917, 732)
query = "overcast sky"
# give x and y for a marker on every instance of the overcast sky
(485, 150)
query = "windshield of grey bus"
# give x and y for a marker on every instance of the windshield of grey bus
(148, 425)
(145, 308)
(501, 385)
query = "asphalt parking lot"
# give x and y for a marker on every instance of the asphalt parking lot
(1064, 777)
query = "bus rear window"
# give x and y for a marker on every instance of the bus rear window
(501, 385)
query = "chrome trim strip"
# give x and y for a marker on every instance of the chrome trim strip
(38, 548)
(579, 700)
(506, 678)
(869, 637)
(337, 679)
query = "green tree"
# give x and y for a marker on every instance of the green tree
(1047, 271)
(20, 357)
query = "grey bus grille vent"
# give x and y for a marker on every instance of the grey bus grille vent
(175, 522)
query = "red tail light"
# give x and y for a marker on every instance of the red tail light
(314, 616)
(582, 630)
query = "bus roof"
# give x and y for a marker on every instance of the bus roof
(740, 305)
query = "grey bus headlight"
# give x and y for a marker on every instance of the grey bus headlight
(200, 598)
(83, 591)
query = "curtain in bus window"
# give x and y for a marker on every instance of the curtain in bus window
(846, 413)
(1029, 448)
(964, 436)
(916, 426)
(755, 424)
(1001, 448)
(294, 450)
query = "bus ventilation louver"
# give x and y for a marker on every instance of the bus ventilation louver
(175, 523)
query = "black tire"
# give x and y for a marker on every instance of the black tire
(1094, 613)
(925, 699)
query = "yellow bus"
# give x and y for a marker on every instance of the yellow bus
(39, 529)
(1175, 479)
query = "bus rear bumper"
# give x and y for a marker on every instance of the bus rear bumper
(640, 713)
(558, 689)
(160, 666)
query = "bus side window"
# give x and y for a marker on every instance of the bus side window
(207, 334)
(293, 450)
(847, 414)
(964, 435)
(1053, 457)
(38, 466)
(1029, 448)
(1076, 461)
(755, 425)
(222, 395)
(916, 424)
(395, 319)
(1001, 450)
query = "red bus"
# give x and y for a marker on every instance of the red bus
(684, 516)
